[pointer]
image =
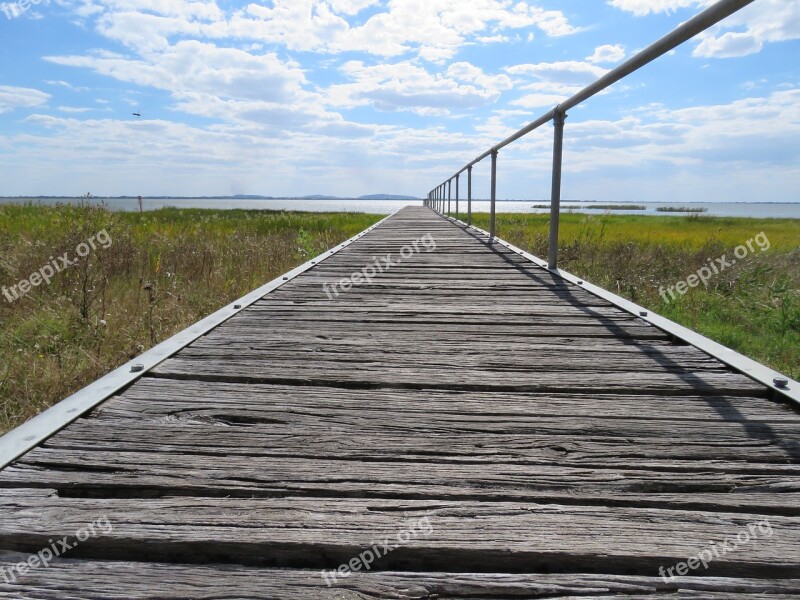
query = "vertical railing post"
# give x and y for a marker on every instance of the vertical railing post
(555, 193)
(449, 194)
(458, 178)
(469, 195)
(494, 195)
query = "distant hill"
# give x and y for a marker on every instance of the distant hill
(387, 197)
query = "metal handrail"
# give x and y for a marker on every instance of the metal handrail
(439, 198)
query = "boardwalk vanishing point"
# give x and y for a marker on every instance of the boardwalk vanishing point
(465, 425)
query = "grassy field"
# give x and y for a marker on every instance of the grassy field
(752, 306)
(162, 271)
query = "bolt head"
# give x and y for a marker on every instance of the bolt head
(237, 306)
(642, 313)
(137, 368)
(781, 382)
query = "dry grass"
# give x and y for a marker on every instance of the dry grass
(164, 271)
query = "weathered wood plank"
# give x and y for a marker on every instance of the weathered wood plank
(486, 537)
(143, 474)
(239, 368)
(158, 397)
(69, 579)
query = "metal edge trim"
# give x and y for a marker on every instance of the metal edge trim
(746, 366)
(36, 430)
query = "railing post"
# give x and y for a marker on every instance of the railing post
(469, 195)
(555, 193)
(494, 195)
(458, 178)
(449, 194)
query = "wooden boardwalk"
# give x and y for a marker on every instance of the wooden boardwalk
(479, 426)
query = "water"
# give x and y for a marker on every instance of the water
(719, 209)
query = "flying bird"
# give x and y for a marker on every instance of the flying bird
(137, 114)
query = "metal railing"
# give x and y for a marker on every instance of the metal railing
(440, 197)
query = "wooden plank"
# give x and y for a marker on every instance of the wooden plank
(154, 398)
(322, 533)
(144, 474)
(69, 579)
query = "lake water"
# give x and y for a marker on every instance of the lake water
(720, 209)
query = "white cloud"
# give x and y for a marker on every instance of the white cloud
(192, 66)
(67, 85)
(407, 86)
(765, 21)
(551, 83)
(645, 7)
(12, 98)
(351, 7)
(743, 33)
(433, 29)
(728, 45)
(74, 109)
(539, 100)
(569, 72)
(607, 54)
(754, 133)
(468, 72)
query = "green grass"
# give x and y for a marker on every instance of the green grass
(752, 307)
(164, 271)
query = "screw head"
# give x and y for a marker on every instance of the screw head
(286, 279)
(580, 281)
(781, 382)
(237, 306)
(642, 313)
(137, 368)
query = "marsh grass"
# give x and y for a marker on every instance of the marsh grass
(164, 271)
(753, 307)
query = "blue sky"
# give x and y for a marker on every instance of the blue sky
(350, 97)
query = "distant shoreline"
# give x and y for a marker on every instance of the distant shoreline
(380, 197)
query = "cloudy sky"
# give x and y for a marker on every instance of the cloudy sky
(350, 97)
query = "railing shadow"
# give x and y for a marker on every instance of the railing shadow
(754, 429)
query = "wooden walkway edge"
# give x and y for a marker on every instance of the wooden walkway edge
(479, 426)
